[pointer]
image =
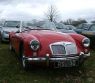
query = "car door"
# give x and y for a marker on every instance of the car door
(15, 41)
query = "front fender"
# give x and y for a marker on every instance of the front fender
(78, 39)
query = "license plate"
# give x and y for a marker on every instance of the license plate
(70, 63)
(66, 63)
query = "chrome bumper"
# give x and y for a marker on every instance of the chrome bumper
(83, 56)
(59, 62)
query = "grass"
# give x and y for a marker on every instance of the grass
(12, 72)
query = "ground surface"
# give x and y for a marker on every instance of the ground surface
(12, 72)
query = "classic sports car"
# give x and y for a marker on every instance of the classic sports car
(40, 44)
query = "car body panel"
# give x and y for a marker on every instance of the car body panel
(45, 38)
(89, 32)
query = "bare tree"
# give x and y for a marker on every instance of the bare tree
(74, 22)
(52, 13)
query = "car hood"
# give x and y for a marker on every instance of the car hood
(48, 36)
(12, 29)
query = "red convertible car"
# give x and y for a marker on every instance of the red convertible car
(46, 45)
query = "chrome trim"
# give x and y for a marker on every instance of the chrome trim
(56, 43)
(87, 55)
(57, 58)
(88, 43)
(36, 59)
(32, 46)
(52, 59)
(63, 44)
(67, 58)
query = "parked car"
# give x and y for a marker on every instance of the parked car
(90, 33)
(8, 27)
(82, 27)
(45, 45)
(64, 28)
(71, 27)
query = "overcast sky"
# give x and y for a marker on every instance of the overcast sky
(35, 9)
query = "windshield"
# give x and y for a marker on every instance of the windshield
(11, 24)
(45, 26)
(92, 28)
(49, 25)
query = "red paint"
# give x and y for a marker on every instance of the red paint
(45, 37)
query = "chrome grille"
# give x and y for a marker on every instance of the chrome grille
(63, 48)
(71, 48)
(58, 49)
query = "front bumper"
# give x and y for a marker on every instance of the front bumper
(74, 61)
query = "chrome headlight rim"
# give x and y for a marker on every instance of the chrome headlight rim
(34, 45)
(86, 42)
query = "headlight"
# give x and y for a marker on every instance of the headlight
(5, 32)
(86, 42)
(35, 45)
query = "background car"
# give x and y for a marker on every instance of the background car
(90, 33)
(45, 45)
(8, 27)
(82, 27)
(64, 28)
(71, 27)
